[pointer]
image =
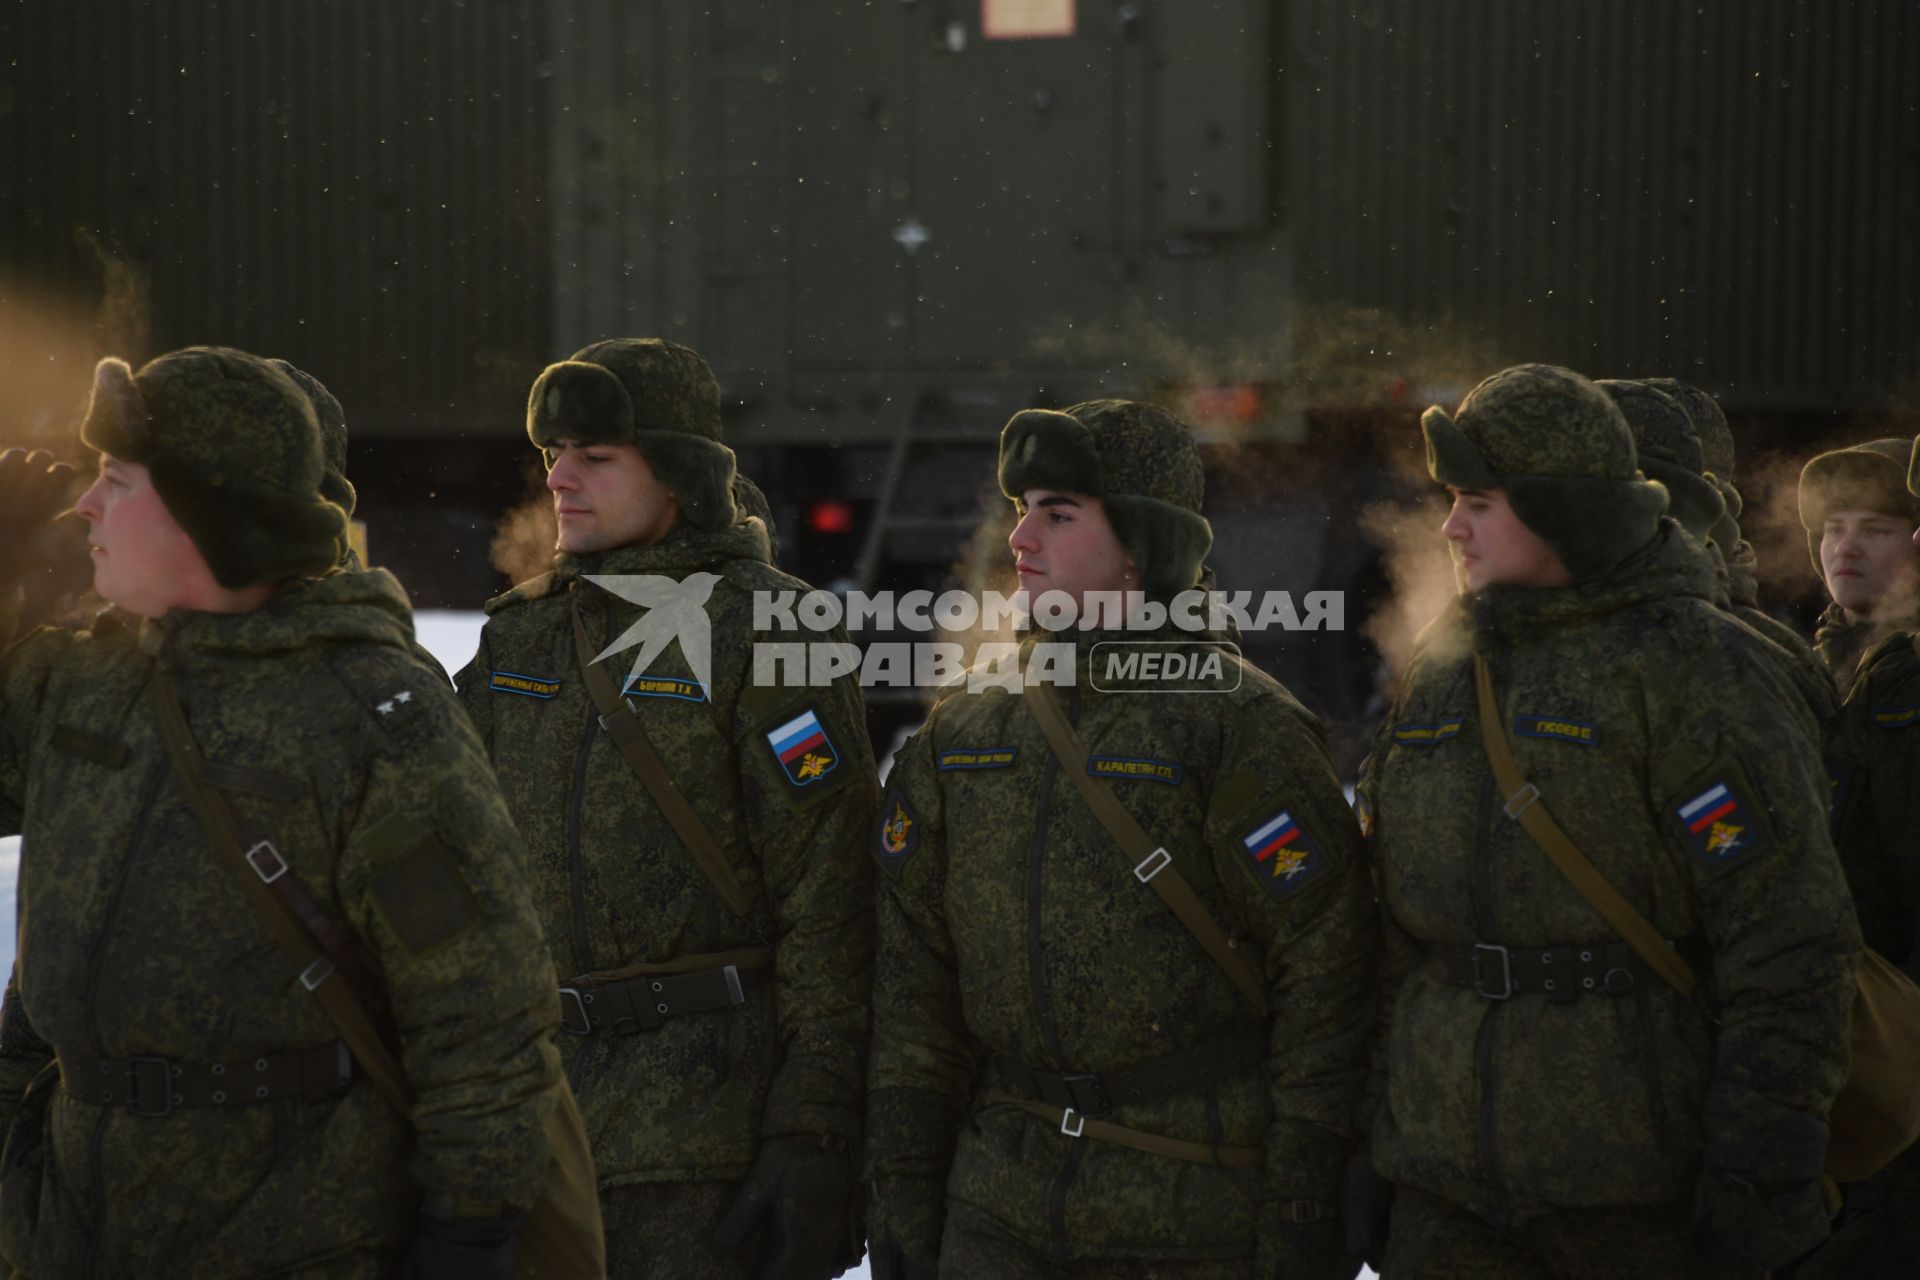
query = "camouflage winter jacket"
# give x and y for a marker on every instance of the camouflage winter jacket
(136, 942)
(1873, 753)
(693, 1098)
(1798, 661)
(1665, 742)
(1011, 923)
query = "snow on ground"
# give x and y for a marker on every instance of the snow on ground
(450, 636)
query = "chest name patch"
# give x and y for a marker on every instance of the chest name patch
(1896, 717)
(1133, 769)
(803, 749)
(1557, 728)
(525, 686)
(1425, 735)
(1720, 828)
(978, 758)
(664, 687)
(1285, 858)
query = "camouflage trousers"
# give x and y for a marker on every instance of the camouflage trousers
(664, 1231)
(1878, 1234)
(971, 1248)
(1433, 1239)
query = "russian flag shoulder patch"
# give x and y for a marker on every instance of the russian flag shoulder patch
(1720, 825)
(802, 749)
(1283, 857)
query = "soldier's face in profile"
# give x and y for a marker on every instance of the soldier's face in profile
(143, 560)
(1869, 563)
(1064, 542)
(606, 496)
(1491, 545)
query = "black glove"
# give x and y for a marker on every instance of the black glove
(801, 1194)
(1367, 1209)
(461, 1249)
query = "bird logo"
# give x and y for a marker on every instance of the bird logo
(675, 610)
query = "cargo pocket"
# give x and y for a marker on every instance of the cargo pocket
(22, 1168)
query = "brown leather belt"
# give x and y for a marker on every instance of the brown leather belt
(1075, 1125)
(1561, 973)
(157, 1086)
(642, 1002)
(1095, 1093)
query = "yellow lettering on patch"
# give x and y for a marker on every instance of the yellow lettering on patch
(977, 759)
(534, 686)
(1121, 767)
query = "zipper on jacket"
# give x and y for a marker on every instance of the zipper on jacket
(1037, 980)
(96, 1178)
(576, 890)
(1484, 919)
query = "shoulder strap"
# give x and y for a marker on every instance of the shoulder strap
(299, 927)
(624, 727)
(1152, 864)
(1523, 804)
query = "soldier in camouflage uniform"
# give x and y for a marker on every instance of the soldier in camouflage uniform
(1030, 990)
(1668, 451)
(1858, 511)
(1738, 567)
(1860, 522)
(176, 1103)
(1549, 1107)
(724, 1111)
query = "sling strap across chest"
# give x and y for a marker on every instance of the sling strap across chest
(1152, 863)
(624, 727)
(1876, 1114)
(562, 1234)
(331, 967)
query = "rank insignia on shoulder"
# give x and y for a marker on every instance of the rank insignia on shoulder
(899, 827)
(1557, 729)
(641, 686)
(977, 758)
(1720, 826)
(1285, 858)
(803, 749)
(1410, 734)
(1134, 769)
(1896, 717)
(526, 686)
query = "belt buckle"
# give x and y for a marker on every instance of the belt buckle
(1506, 972)
(574, 1005)
(736, 994)
(1088, 1095)
(1072, 1123)
(1152, 865)
(279, 864)
(165, 1069)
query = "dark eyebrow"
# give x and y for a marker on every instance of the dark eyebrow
(1057, 500)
